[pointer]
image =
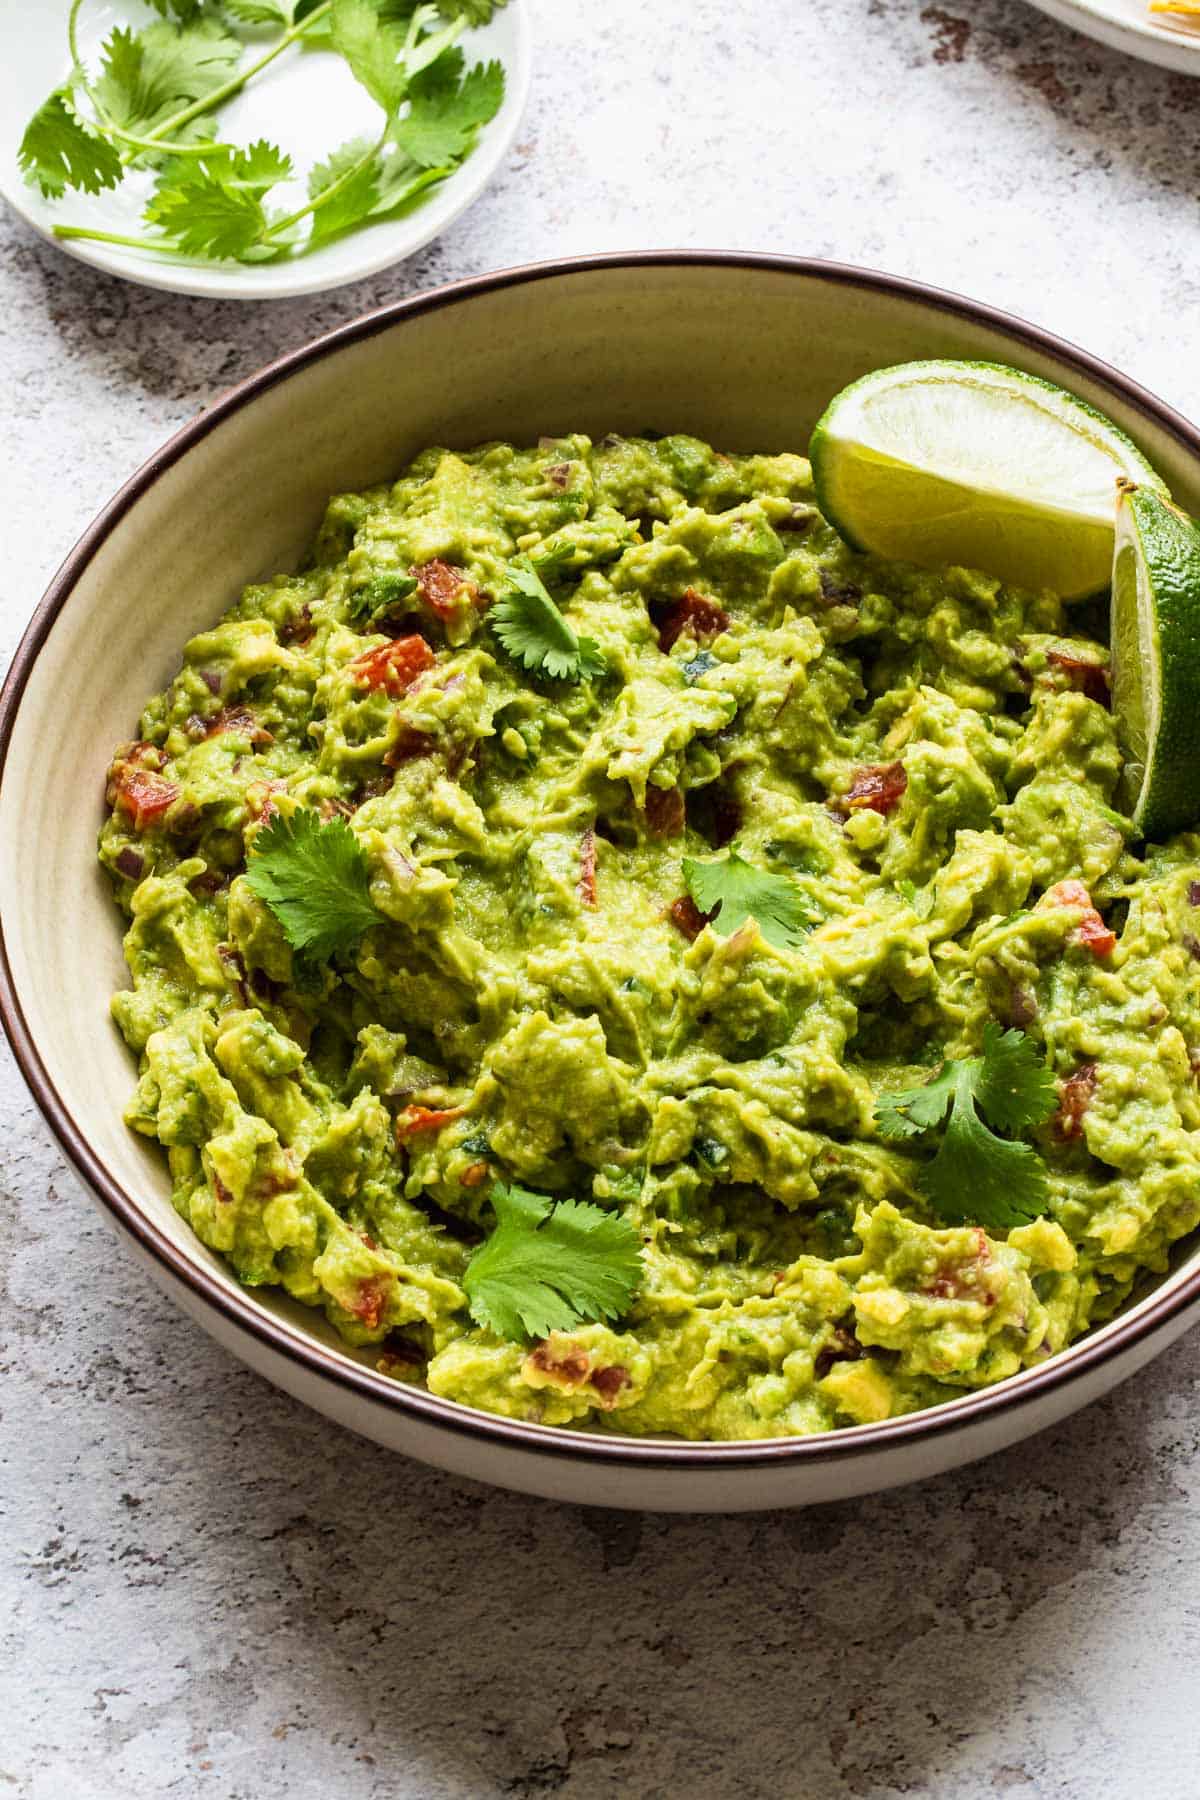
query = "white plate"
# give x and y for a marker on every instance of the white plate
(307, 102)
(1129, 25)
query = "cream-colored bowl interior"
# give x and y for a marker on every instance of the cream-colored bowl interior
(745, 356)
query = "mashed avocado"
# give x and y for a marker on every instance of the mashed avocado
(928, 758)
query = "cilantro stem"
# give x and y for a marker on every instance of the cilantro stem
(334, 189)
(274, 231)
(237, 82)
(159, 138)
(105, 119)
(115, 237)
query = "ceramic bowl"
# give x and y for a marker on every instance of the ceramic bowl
(744, 351)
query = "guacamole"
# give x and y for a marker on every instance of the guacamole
(927, 759)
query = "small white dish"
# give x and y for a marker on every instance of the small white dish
(307, 102)
(1129, 25)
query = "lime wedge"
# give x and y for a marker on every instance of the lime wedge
(1156, 661)
(976, 464)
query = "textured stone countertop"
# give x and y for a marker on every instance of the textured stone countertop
(208, 1591)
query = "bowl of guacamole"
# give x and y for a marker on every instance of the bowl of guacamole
(611, 988)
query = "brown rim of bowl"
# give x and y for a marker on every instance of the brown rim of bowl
(297, 1345)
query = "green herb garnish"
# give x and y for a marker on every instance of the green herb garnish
(379, 595)
(976, 1175)
(315, 879)
(549, 1265)
(734, 890)
(151, 105)
(536, 634)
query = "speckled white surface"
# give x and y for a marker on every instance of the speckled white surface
(209, 1592)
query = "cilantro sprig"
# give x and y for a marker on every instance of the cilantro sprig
(977, 1175)
(316, 880)
(151, 103)
(535, 633)
(734, 890)
(549, 1264)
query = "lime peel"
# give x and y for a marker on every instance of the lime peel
(1156, 660)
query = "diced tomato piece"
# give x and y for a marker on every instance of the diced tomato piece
(587, 868)
(260, 798)
(963, 1281)
(693, 612)
(609, 1381)
(395, 666)
(665, 811)
(474, 1175)
(414, 1119)
(686, 916)
(1093, 932)
(370, 1300)
(568, 1367)
(1090, 678)
(878, 787)
(140, 793)
(1074, 1099)
(1091, 929)
(443, 588)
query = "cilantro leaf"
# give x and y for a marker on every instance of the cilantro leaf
(402, 183)
(356, 200)
(371, 50)
(475, 12)
(919, 1109)
(536, 634)
(148, 75)
(547, 1266)
(1015, 1089)
(315, 879)
(976, 1175)
(421, 51)
(57, 152)
(737, 891)
(204, 216)
(257, 12)
(212, 205)
(258, 167)
(447, 109)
